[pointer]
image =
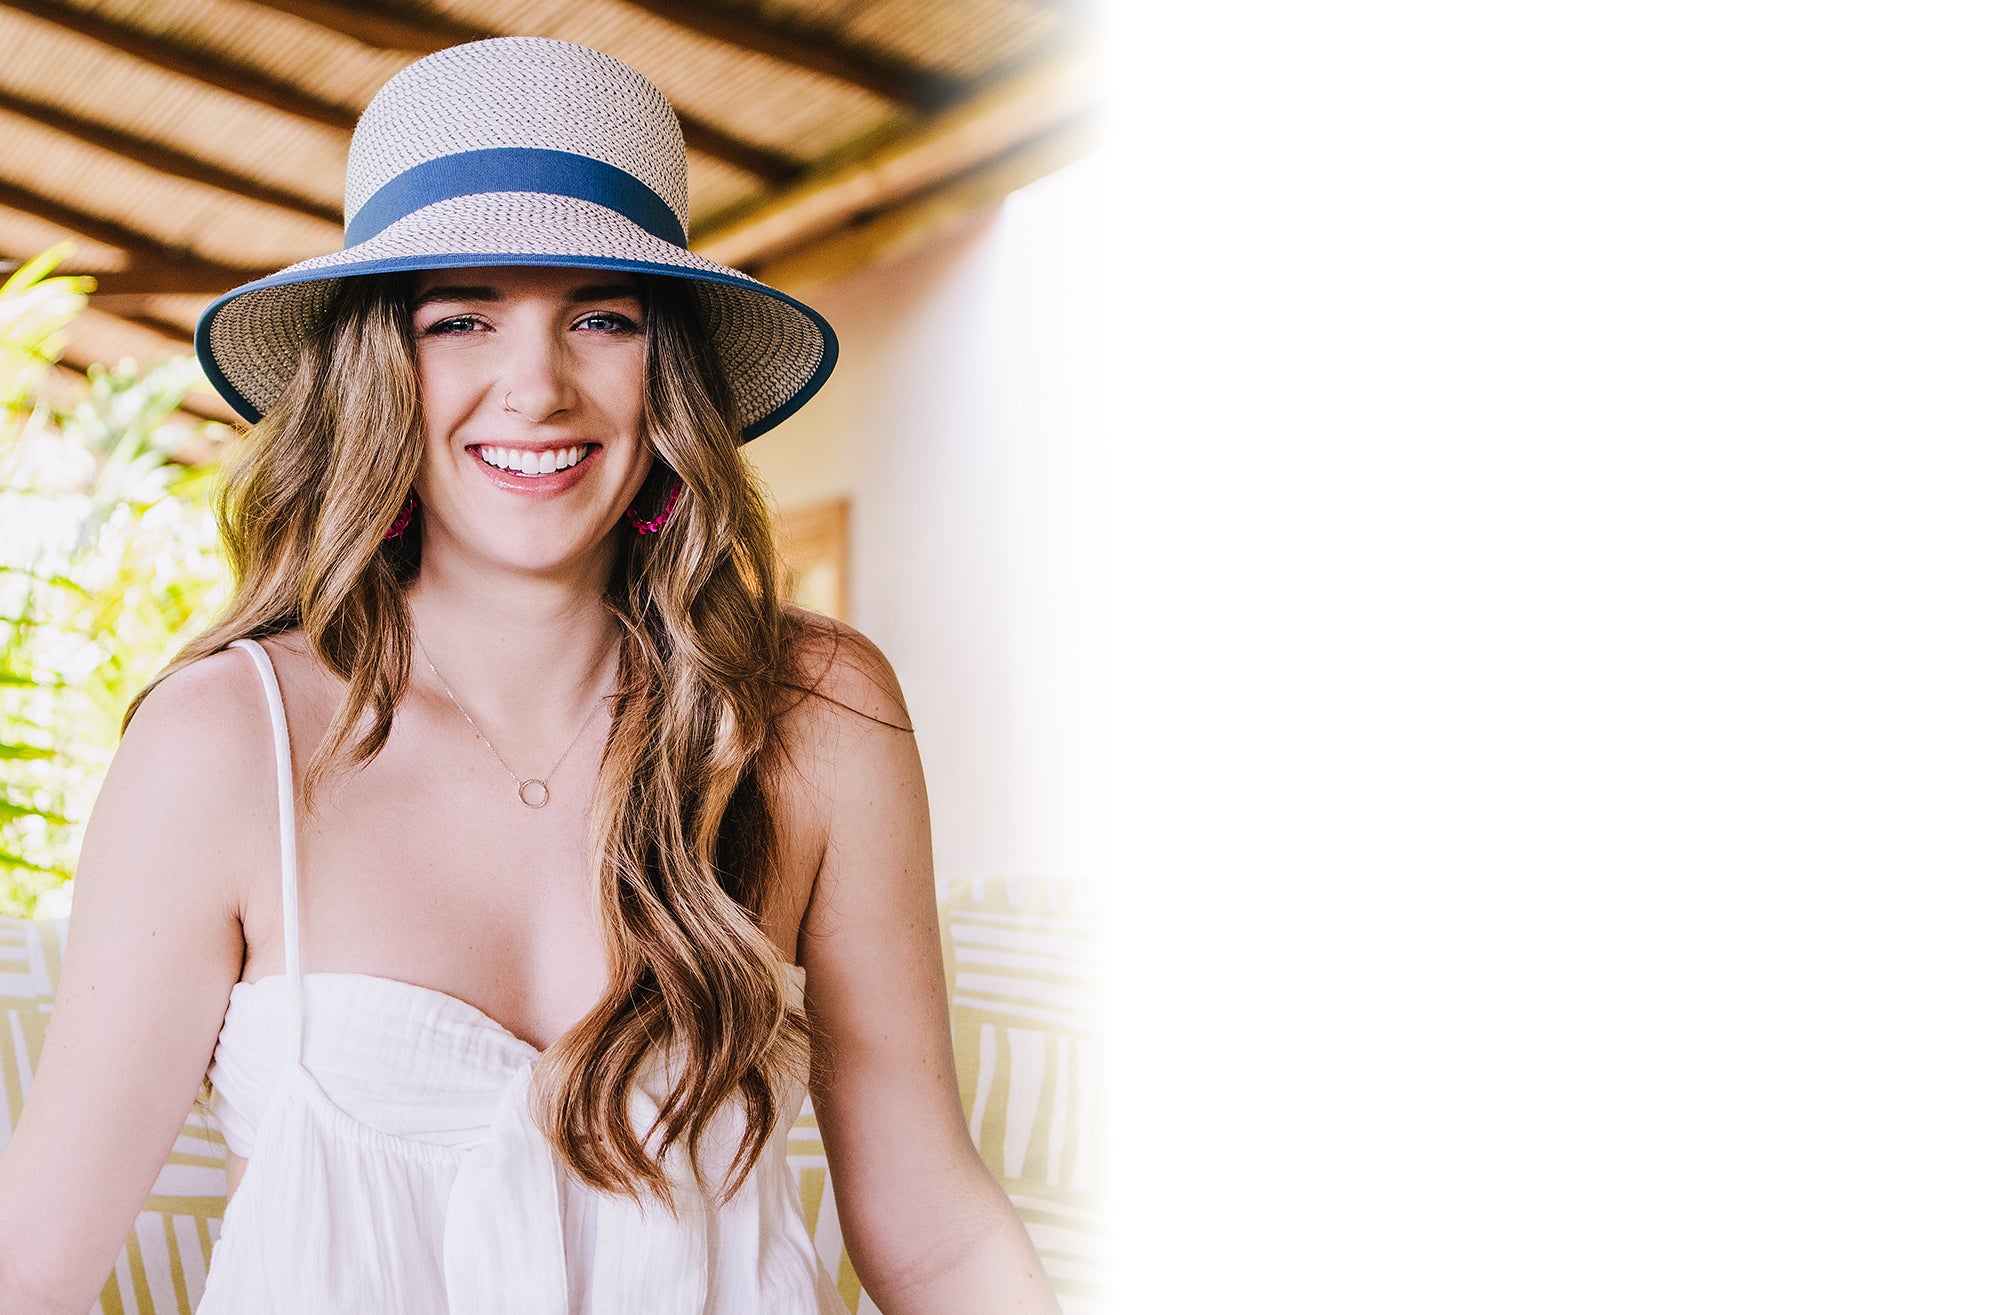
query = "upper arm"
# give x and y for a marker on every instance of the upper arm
(885, 1086)
(155, 943)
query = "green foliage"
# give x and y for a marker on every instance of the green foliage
(108, 563)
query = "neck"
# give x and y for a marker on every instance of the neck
(529, 659)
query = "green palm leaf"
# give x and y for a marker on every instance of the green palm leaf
(8, 860)
(108, 563)
(9, 811)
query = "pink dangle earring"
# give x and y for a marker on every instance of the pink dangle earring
(654, 525)
(402, 517)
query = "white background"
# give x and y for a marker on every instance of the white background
(1554, 662)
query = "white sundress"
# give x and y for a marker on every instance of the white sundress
(394, 1166)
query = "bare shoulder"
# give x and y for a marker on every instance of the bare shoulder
(211, 712)
(198, 743)
(212, 708)
(842, 731)
(843, 678)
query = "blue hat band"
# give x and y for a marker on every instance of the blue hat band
(516, 169)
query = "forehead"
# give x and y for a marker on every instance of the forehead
(505, 282)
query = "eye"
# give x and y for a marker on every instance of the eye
(444, 328)
(617, 323)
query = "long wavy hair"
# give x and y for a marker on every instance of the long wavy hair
(683, 841)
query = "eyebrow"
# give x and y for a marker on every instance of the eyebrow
(463, 292)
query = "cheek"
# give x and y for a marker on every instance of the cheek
(622, 405)
(625, 390)
(434, 397)
(632, 412)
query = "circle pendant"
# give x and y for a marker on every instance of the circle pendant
(534, 793)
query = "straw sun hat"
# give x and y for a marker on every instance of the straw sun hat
(518, 151)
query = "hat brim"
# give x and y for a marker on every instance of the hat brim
(776, 351)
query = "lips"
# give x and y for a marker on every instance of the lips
(545, 486)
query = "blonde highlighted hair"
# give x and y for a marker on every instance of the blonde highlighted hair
(685, 844)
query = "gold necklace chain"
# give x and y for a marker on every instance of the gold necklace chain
(540, 782)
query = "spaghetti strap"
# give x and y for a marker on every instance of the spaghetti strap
(288, 844)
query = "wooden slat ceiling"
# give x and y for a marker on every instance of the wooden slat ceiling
(188, 146)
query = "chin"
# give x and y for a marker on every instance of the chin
(539, 556)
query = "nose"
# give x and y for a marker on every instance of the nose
(537, 376)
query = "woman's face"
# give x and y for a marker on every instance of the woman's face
(522, 370)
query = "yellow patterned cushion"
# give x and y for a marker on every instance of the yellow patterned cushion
(1020, 958)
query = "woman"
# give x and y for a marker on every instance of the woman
(513, 1042)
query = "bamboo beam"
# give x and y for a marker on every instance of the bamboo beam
(385, 27)
(769, 164)
(165, 276)
(135, 310)
(166, 159)
(821, 51)
(81, 222)
(916, 221)
(774, 167)
(252, 84)
(980, 129)
(155, 265)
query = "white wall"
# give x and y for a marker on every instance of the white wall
(960, 422)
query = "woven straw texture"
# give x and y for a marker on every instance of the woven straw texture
(532, 92)
(519, 91)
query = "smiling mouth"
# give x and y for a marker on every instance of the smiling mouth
(532, 464)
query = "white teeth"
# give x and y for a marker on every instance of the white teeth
(524, 462)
